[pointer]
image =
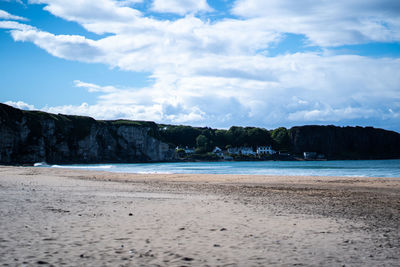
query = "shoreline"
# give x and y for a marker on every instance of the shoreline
(295, 159)
(205, 177)
(356, 169)
(78, 217)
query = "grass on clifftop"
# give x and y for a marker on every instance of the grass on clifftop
(130, 123)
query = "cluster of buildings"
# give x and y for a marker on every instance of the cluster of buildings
(245, 151)
(260, 151)
(248, 151)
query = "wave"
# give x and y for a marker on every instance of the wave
(41, 164)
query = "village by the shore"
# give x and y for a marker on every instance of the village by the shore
(265, 152)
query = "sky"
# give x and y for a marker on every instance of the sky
(264, 63)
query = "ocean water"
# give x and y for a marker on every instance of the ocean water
(356, 168)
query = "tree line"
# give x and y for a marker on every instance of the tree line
(204, 139)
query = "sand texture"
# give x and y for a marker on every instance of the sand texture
(80, 218)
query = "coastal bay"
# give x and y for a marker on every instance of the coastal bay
(200, 133)
(77, 217)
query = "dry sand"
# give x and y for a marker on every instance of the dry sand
(80, 218)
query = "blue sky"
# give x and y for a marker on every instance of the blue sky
(205, 63)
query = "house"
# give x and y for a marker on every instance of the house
(265, 150)
(218, 151)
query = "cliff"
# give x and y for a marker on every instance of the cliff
(345, 142)
(32, 136)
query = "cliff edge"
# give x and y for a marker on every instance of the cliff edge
(27, 137)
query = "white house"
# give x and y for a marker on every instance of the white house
(264, 150)
(218, 151)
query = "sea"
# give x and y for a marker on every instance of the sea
(350, 168)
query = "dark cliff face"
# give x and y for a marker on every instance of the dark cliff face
(34, 136)
(346, 142)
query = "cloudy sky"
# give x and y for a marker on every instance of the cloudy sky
(266, 63)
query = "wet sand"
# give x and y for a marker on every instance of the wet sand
(80, 218)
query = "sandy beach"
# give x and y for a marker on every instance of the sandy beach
(81, 218)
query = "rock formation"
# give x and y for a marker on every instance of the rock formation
(27, 137)
(345, 142)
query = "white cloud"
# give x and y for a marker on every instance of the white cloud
(95, 88)
(6, 15)
(151, 45)
(180, 7)
(328, 113)
(20, 105)
(72, 47)
(13, 25)
(88, 11)
(128, 2)
(328, 23)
